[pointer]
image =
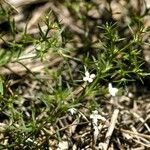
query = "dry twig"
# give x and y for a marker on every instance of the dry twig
(136, 133)
(111, 129)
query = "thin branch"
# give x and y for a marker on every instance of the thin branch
(111, 129)
(135, 133)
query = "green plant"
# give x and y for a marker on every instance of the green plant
(76, 73)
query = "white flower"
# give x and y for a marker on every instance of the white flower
(88, 77)
(63, 145)
(95, 117)
(72, 111)
(112, 90)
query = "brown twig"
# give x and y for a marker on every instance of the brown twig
(111, 129)
(65, 17)
(141, 119)
(135, 133)
(77, 91)
(12, 6)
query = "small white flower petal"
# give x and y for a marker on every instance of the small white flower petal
(85, 78)
(90, 80)
(88, 77)
(87, 74)
(92, 76)
(113, 91)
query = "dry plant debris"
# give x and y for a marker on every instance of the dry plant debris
(123, 122)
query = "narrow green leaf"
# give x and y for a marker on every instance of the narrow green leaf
(1, 87)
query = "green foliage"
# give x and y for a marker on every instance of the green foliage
(115, 56)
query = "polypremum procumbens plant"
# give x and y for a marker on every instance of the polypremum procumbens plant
(74, 77)
(118, 57)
